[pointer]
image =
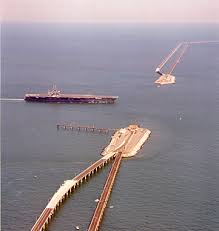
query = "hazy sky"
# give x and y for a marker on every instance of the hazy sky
(111, 10)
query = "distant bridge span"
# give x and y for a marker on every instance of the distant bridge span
(183, 46)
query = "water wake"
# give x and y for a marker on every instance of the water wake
(11, 99)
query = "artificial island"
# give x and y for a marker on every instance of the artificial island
(181, 48)
(125, 142)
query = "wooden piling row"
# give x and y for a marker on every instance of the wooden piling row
(84, 128)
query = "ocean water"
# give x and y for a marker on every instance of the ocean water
(171, 184)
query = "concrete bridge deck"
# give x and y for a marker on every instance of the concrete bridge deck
(65, 190)
(98, 214)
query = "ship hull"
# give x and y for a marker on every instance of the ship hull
(70, 100)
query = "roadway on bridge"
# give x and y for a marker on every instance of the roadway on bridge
(97, 217)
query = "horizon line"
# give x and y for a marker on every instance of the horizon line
(109, 22)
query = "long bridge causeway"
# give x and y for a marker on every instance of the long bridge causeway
(96, 219)
(65, 191)
(181, 48)
(125, 143)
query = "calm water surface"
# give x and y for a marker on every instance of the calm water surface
(172, 184)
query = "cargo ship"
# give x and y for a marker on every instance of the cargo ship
(55, 96)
